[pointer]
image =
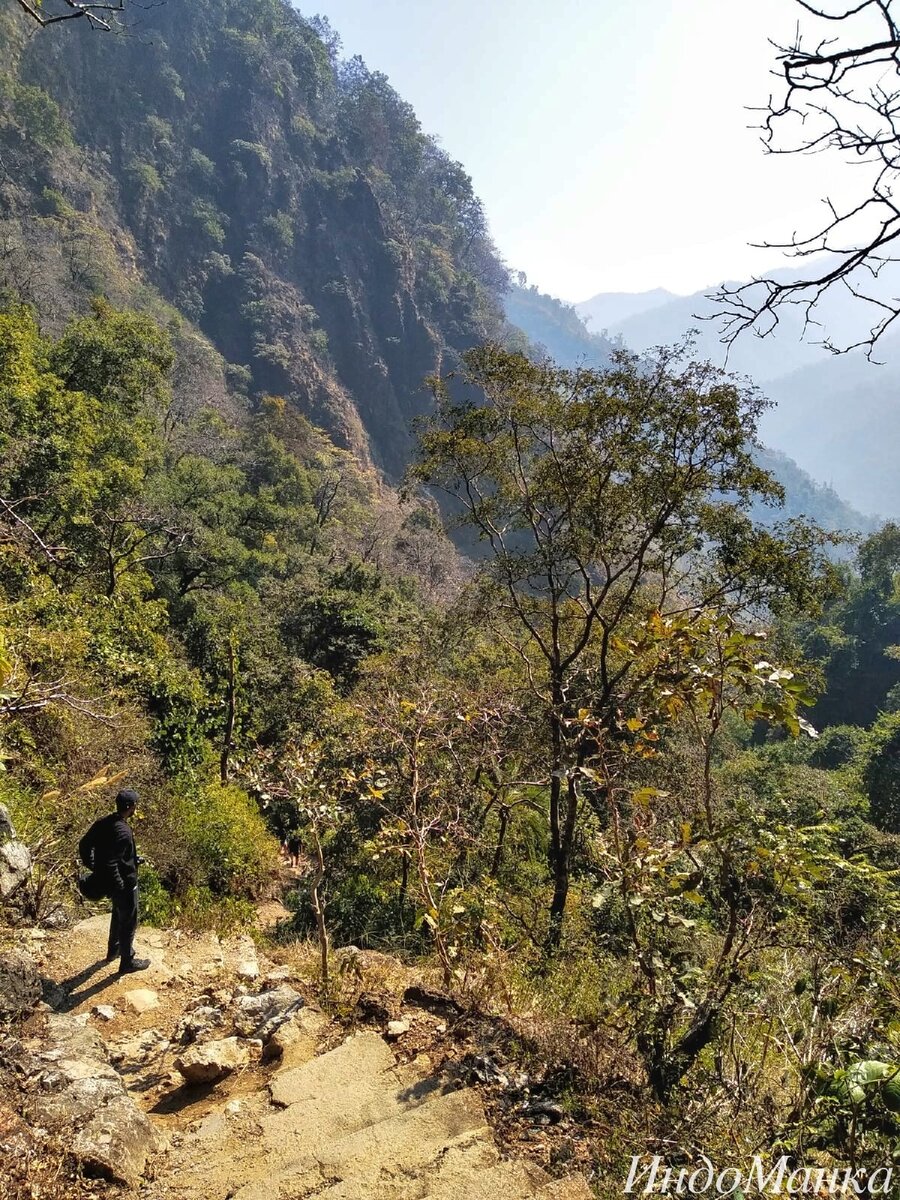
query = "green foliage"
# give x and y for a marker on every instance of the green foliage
(151, 586)
(880, 763)
(210, 221)
(144, 175)
(855, 641)
(838, 746)
(281, 227)
(36, 112)
(203, 167)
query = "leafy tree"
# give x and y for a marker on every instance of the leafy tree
(855, 641)
(600, 498)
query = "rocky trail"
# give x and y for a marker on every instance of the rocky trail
(211, 1076)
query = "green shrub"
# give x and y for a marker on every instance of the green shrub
(38, 114)
(837, 747)
(210, 221)
(881, 771)
(202, 167)
(144, 175)
(213, 838)
(281, 227)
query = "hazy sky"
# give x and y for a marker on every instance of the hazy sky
(608, 139)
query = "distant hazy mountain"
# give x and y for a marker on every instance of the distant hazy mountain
(837, 416)
(609, 309)
(841, 419)
(557, 327)
(664, 319)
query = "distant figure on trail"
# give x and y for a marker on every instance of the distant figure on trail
(109, 851)
(293, 849)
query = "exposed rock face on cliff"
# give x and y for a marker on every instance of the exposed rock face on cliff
(222, 158)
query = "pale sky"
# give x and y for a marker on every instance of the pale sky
(608, 139)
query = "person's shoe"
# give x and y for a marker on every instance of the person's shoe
(112, 955)
(136, 964)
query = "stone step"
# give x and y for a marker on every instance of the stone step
(573, 1187)
(510, 1180)
(390, 1151)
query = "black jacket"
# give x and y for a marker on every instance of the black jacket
(108, 849)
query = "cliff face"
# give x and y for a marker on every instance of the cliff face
(286, 203)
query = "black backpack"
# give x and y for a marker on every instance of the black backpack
(86, 848)
(92, 886)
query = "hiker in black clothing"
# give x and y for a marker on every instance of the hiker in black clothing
(108, 849)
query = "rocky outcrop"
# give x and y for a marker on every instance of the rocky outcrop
(15, 859)
(352, 1124)
(20, 986)
(260, 1015)
(293, 210)
(72, 1089)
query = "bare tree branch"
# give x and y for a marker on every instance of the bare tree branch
(76, 9)
(838, 94)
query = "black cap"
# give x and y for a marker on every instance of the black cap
(126, 799)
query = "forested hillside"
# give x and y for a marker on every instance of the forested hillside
(623, 786)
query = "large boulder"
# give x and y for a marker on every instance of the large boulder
(15, 868)
(207, 1062)
(20, 986)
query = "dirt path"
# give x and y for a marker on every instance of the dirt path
(313, 1114)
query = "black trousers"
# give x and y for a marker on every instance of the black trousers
(122, 924)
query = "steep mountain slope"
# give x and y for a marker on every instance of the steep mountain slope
(556, 328)
(841, 420)
(286, 203)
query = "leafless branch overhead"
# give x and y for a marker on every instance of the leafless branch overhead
(839, 92)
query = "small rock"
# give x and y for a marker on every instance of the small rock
(282, 1039)
(207, 1062)
(248, 970)
(141, 1000)
(233, 1107)
(545, 1111)
(259, 1016)
(194, 1026)
(397, 1029)
(105, 1012)
(278, 974)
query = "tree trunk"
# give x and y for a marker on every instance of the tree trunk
(228, 739)
(561, 825)
(318, 907)
(501, 837)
